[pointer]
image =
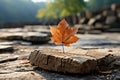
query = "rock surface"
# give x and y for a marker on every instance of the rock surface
(6, 48)
(94, 46)
(11, 36)
(32, 35)
(22, 76)
(36, 37)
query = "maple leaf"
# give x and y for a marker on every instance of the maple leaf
(62, 34)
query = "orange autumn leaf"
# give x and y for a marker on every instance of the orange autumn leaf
(62, 34)
(25, 62)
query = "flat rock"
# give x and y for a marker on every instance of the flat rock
(11, 36)
(7, 43)
(36, 37)
(12, 30)
(46, 31)
(53, 60)
(7, 58)
(6, 48)
(98, 42)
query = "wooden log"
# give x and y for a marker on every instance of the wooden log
(108, 13)
(115, 27)
(118, 15)
(69, 20)
(110, 19)
(82, 14)
(91, 21)
(78, 18)
(88, 14)
(114, 7)
(84, 21)
(94, 20)
(53, 60)
(74, 19)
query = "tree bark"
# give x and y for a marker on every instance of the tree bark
(53, 60)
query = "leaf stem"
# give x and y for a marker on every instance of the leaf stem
(63, 48)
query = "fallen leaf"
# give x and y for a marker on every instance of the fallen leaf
(24, 62)
(20, 57)
(62, 34)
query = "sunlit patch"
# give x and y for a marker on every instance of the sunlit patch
(39, 0)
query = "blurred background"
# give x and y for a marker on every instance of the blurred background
(17, 13)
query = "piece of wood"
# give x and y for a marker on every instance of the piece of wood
(110, 19)
(113, 7)
(79, 61)
(53, 60)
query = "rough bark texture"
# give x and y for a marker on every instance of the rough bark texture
(53, 60)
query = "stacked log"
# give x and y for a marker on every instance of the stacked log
(104, 19)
